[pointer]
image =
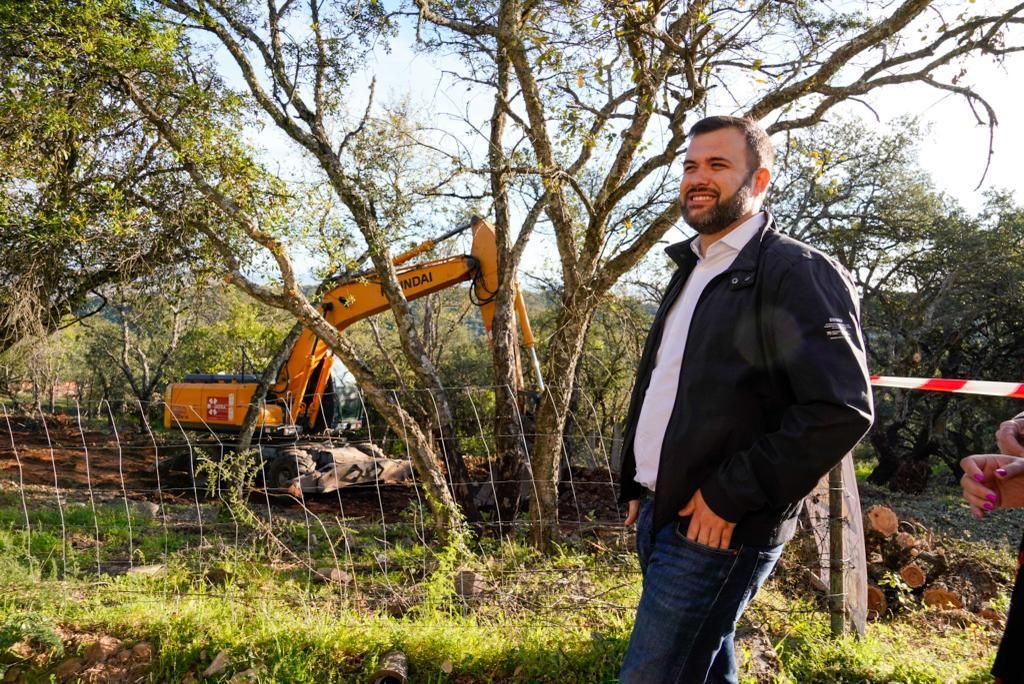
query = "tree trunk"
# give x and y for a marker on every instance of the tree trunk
(512, 480)
(886, 444)
(564, 353)
(268, 377)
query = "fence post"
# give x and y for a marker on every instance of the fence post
(836, 555)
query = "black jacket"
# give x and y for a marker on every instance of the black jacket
(774, 388)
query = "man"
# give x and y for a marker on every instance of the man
(722, 442)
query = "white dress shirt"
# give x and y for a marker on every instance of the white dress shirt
(661, 392)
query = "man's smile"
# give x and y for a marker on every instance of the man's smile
(700, 198)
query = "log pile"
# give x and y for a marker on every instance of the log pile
(906, 566)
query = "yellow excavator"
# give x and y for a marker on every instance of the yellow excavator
(316, 396)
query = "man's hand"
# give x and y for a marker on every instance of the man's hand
(705, 526)
(634, 510)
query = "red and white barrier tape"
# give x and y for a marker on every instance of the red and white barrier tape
(992, 389)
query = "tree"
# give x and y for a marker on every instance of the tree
(590, 106)
(957, 316)
(296, 79)
(89, 195)
(941, 289)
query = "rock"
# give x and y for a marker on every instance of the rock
(250, 675)
(756, 656)
(68, 669)
(144, 509)
(155, 570)
(468, 583)
(99, 651)
(217, 577)
(142, 652)
(220, 662)
(333, 576)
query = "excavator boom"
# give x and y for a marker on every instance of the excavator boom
(298, 396)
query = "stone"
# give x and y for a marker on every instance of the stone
(219, 664)
(143, 652)
(68, 669)
(100, 650)
(144, 509)
(218, 577)
(334, 576)
(250, 675)
(468, 583)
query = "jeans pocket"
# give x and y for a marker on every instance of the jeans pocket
(680, 536)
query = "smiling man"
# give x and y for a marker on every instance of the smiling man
(752, 385)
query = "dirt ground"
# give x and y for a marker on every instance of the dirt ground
(75, 461)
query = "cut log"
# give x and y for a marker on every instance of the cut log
(937, 560)
(913, 576)
(877, 605)
(905, 540)
(940, 597)
(393, 669)
(882, 521)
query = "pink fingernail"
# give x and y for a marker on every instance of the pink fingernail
(988, 506)
(991, 497)
(1001, 472)
(979, 477)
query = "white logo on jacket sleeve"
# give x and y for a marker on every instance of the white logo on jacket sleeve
(837, 329)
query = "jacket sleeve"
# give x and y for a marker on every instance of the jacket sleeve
(812, 331)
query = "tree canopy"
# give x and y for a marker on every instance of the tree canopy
(128, 146)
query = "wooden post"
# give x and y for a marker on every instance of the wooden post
(837, 569)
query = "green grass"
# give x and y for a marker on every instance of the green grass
(918, 647)
(564, 617)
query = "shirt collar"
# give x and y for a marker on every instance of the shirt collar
(736, 238)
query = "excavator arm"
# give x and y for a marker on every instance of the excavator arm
(300, 388)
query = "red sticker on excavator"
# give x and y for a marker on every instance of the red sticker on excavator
(217, 408)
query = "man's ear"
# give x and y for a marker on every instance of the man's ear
(762, 177)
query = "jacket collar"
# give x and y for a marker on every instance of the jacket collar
(745, 262)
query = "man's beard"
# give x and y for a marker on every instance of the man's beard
(723, 213)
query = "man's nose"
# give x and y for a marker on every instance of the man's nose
(694, 177)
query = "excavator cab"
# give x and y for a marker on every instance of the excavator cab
(341, 409)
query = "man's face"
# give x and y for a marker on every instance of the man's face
(716, 189)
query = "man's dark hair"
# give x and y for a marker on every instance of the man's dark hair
(759, 148)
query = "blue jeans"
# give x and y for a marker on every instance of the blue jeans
(692, 597)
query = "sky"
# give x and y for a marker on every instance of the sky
(954, 152)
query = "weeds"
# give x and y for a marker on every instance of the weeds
(251, 588)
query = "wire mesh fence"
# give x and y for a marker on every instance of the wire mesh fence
(105, 497)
